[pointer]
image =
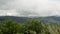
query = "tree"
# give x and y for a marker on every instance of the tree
(11, 27)
(34, 25)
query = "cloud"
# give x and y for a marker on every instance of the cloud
(3, 4)
(25, 7)
(54, 7)
(30, 7)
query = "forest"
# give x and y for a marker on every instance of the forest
(32, 26)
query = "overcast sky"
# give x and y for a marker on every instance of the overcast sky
(29, 7)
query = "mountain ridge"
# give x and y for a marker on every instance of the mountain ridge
(49, 19)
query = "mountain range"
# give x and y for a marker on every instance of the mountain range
(48, 19)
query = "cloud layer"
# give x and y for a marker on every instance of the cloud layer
(29, 7)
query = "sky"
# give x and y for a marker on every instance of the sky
(29, 7)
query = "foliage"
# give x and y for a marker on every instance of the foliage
(10, 27)
(33, 26)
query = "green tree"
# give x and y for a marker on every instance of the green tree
(34, 25)
(11, 27)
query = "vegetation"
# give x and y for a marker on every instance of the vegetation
(31, 27)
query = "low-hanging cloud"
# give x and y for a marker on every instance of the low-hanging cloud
(30, 7)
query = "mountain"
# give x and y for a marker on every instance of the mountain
(48, 19)
(17, 19)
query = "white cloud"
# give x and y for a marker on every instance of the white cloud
(54, 7)
(8, 13)
(31, 7)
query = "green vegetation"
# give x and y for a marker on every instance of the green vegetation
(33, 26)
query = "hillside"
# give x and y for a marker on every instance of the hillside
(49, 19)
(17, 19)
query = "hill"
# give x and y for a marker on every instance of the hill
(17, 19)
(49, 19)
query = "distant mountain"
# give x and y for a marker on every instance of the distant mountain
(49, 19)
(17, 19)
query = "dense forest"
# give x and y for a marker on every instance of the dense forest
(32, 26)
